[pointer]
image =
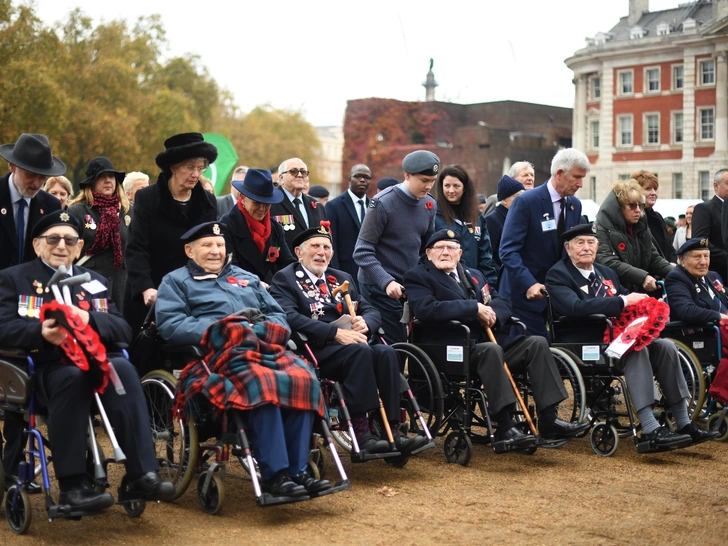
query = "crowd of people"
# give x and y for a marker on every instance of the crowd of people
(276, 251)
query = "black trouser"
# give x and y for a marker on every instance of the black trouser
(390, 311)
(360, 369)
(13, 452)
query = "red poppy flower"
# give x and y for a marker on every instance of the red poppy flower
(84, 305)
(339, 308)
(331, 279)
(314, 204)
(273, 253)
(621, 246)
(474, 280)
(428, 205)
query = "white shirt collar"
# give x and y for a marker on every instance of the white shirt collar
(311, 275)
(555, 197)
(356, 199)
(586, 272)
(291, 197)
(14, 193)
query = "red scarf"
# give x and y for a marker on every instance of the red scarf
(260, 230)
(107, 232)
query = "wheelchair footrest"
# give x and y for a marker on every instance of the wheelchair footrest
(428, 445)
(651, 447)
(68, 512)
(552, 444)
(480, 439)
(505, 446)
(266, 499)
(363, 457)
(341, 485)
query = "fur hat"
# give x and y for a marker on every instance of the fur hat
(185, 146)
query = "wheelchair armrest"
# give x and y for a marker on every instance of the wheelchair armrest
(13, 353)
(191, 350)
(683, 324)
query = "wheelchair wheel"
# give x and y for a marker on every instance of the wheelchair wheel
(573, 408)
(424, 381)
(19, 518)
(722, 428)
(2, 481)
(458, 448)
(694, 377)
(604, 439)
(317, 458)
(133, 509)
(212, 500)
(175, 442)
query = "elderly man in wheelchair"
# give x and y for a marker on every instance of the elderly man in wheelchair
(580, 288)
(209, 289)
(62, 387)
(442, 289)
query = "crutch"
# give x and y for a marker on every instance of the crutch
(343, 288)
(526, 413)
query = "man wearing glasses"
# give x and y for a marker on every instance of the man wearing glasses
(346, 213)
(297, 212)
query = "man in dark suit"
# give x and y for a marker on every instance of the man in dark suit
(297, 212)
(442, 289)
(578, 287)
(22, 204)
(530, 244)
(225, 203)
(508, 189)
(305, 292)
(346, 213)
(67, 390)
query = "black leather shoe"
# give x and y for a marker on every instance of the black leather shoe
(150, 486)
(10, 480)
(698, 434)
(560, 429)
(86, 499)
(515, 437)
(663, 438)
(368, 443)
(408, 444)
(283, 486)
(311, 484)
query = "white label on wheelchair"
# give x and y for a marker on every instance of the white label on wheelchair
(454, 353)
(698, 344)
(590, 352)
(176, 373)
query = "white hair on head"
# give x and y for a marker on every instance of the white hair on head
(567, 159)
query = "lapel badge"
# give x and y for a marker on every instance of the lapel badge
(299, 274)
(41, 211)
(127, 220)
(3, 211)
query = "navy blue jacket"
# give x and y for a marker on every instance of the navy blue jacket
(476, 246)
(495, 221)
(345, 228)
(689, 299)
(294, 222)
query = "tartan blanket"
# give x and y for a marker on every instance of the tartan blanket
(248, 367)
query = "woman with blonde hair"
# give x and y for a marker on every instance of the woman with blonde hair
(61, 188)
(625, 241)
(104, 211)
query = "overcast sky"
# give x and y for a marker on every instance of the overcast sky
(316, 55)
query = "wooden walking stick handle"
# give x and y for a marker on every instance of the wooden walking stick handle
(526, 413)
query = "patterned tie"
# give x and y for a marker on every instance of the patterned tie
(362, 210)
(595, 286)
(20, 228)
(562, 218)
(321, 285)
(297, 203)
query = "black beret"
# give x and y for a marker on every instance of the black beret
(208, 229)
(322, 231)
(696, 243)
(580, 230)
(421, 162)
(384, 183)
(443, 235)
(318, 192)
(56, 218)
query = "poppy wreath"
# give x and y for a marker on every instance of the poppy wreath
(657, 313)
(82, 346)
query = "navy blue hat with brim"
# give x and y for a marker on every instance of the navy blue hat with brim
(443, 235)
(421, 162)
(258, 186)
(185, 146)
(695, 243)
(384, 183)
(310, 233)
(98, 166)
(318, 191)
(507, 186)
(208, 229)
(55, 218)
(580, 230)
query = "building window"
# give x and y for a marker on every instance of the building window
(707, 72)
(677, 127)
(625, 83)
(652, 129)
(624, 126)
(678, 77)
(652, 80)
(706, 120)
(593, 185)
(594, 135)
(704, 183)
(624, 177)
(595, 88)
(677, 191)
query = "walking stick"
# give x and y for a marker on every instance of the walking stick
(526, 413)
(343, 288)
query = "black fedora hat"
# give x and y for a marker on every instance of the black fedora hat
(98, 166)
(185, 146)
(258, 186)
(32, 152)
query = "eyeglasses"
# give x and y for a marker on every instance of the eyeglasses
(362, 176)
(189, 167)
(54, 240)
(635, 206)
(296, 172)
(451, 248)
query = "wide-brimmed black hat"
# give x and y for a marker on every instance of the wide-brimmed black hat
(258, 186)
(185, 146)
(32, 152)
(98, 166)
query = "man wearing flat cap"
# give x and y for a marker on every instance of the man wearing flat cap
(579, 287)
(320, 193)
(443, 289)
(305, 290)
(65, 389)
(392, 237)
(508, 190)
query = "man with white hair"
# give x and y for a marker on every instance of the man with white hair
(524, 173)
(530, 245)
(133, 182)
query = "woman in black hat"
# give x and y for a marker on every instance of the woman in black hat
(254, 238)
(103, 209)
(162, 213)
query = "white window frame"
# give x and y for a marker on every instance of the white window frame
(673, 127)
(592, 134)
(646, 82)
(592, 87)
(677, 177)
(620, 91)
(618, 139)
(674, 85)
(646, 128)
(699, 124)
(702, 73)
(704, 194)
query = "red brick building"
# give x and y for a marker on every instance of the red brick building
(652, 93)
(484, 138)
